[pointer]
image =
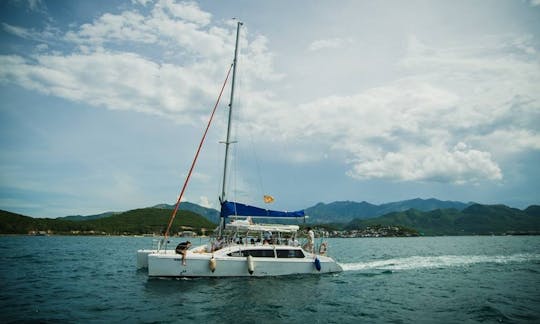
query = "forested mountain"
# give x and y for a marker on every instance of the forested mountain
(335, 212)
(460, 220)
(89, 217)
(346, 211)
(209, 213)
(137, 221)
(475, 219)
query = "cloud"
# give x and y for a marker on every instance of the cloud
(96, 66)
(175, 26)
(454, 113)
(453, 116)
(205, 202)
(31, 5)
(122, 81)
(18, 31)
(36, 5)
(330, 43)
(440, 164)
(188, 11)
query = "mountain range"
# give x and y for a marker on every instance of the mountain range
(475, 219)
(427, 216)
(346, 211)
(136, 221)
(335, 212)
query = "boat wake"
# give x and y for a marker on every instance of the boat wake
(434, 262)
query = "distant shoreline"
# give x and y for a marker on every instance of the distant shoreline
(341, 237)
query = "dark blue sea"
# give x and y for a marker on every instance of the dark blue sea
(492, 279)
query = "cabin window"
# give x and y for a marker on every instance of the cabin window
(290, 254)
(266, 253)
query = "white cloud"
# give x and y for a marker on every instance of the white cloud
(443, 119)
(330, 43)
(178, 26)
(457, 165)
(100, 74)
(117, 81)
(454, 114)
(508, 141)
(124, 27)
(142, 2)
(18, 31)
(188, 11)
(205, 202)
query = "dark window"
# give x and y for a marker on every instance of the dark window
(290, 254)
(268, 253)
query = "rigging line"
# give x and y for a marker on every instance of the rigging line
(196, 156)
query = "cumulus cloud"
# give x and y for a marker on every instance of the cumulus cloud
(457, 165)
(122, 81)
(453, 116)
(205, 202)
(91, 67)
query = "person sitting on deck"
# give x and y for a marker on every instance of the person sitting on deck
(216, 245)
(182, 249)
(268, 236)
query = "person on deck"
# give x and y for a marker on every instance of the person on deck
(182, 249)
(311, 239)
(268, 237)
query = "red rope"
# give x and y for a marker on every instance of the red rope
(196, 156)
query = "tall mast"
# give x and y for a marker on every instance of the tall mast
(228, 139)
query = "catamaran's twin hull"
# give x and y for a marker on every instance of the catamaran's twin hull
(169, 264)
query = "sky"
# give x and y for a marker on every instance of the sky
(103, 103)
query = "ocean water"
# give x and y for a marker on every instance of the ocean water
(59, 279)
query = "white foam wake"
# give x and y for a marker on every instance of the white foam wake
(443, 261)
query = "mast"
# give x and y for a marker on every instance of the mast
(228, 139)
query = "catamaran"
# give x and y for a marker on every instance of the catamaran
(240, 247)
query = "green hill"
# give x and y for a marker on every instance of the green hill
(83, 218)
(149, 220)
(209, 213)
(475, 219)
(346, 211)
(138, 221)
(11, 223)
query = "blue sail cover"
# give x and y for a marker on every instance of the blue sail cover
(229, 208)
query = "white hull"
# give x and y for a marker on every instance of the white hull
(167, 263)
(142, 258)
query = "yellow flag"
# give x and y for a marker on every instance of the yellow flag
(268, 199)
